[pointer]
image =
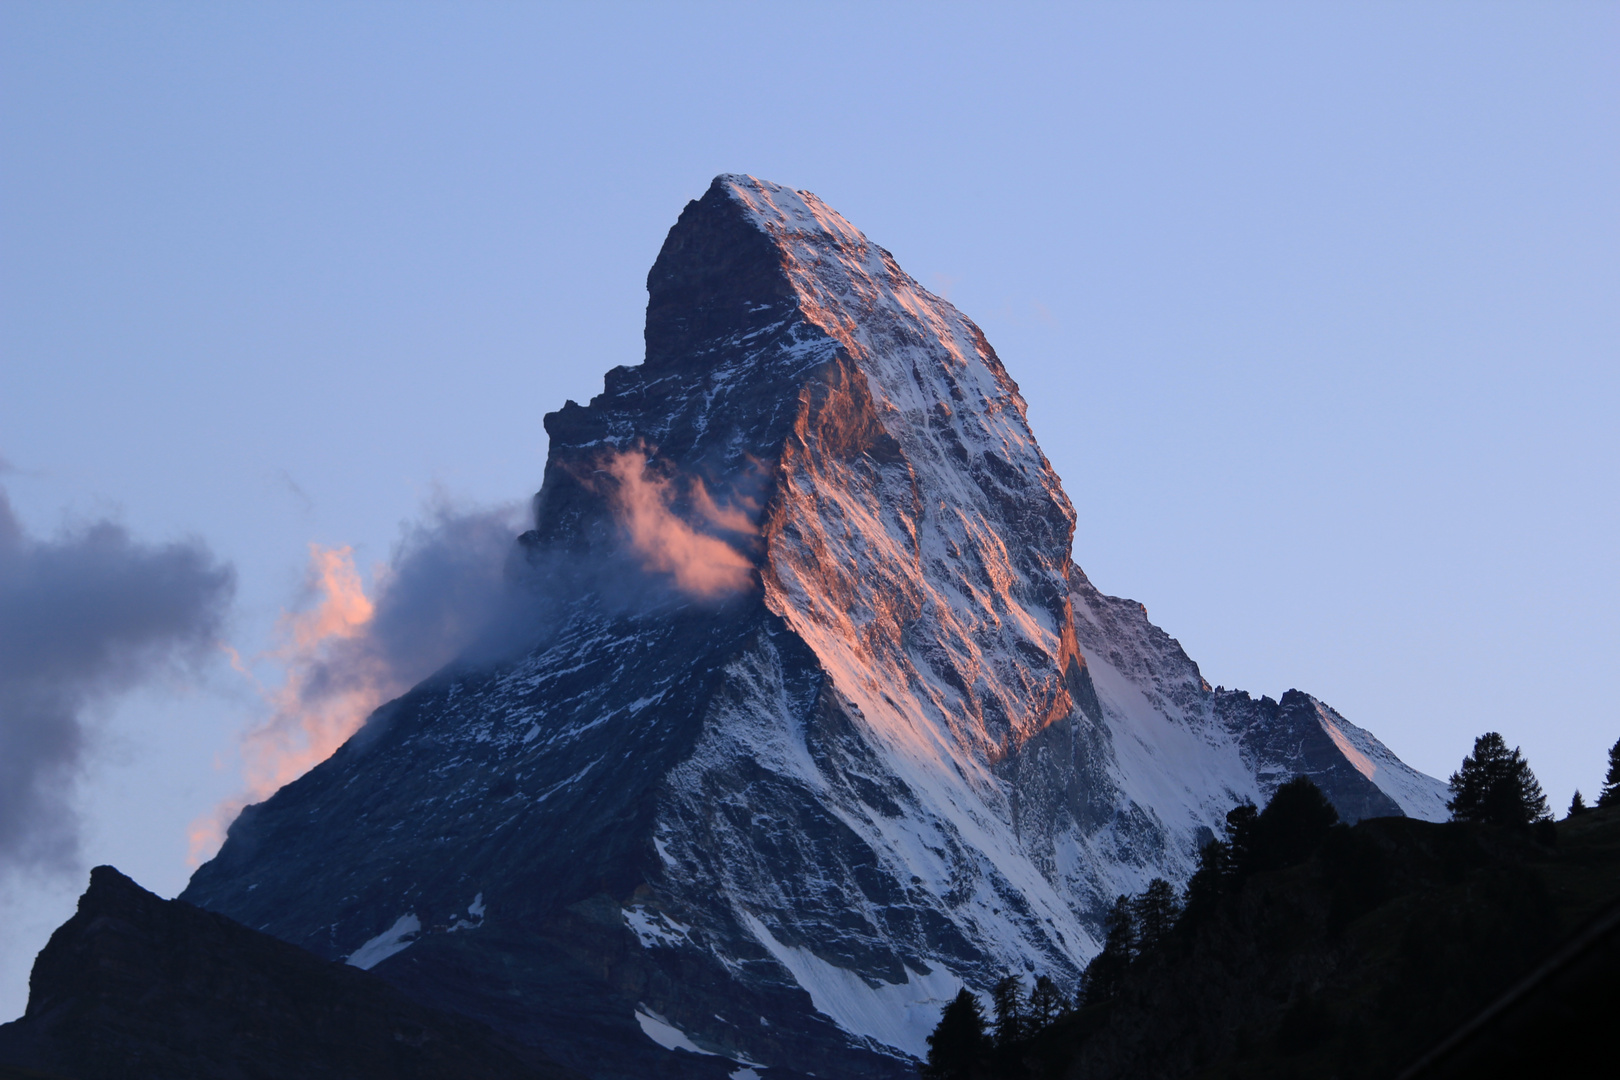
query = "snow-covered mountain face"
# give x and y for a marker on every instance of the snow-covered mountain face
(824, 723)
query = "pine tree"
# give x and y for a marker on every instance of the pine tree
(1610, 795)
(1008, 999)
(1154, 912)
(1046, 1003)
(1240, 823)
(957, 1047)
(1122, 934)
(1106, 971)
(1495, 785)
(1577, 805)
(1208, 881)
(1291, 826)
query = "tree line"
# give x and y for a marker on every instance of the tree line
(1494, 785)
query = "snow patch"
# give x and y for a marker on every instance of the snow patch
(654, 928)
(901, 1015)
(1355, 757)
(665, 1034)
(397, 938)
(1417, 794)
(476, 911)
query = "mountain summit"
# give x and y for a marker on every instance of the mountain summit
(820, 720)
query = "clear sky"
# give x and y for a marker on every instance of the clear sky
(1314, 305)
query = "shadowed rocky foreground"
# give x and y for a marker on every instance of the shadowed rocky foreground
(135, 987)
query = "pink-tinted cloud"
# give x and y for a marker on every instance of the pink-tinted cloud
(306, 725)
(729, 518)
(442, 596)
(699, 564)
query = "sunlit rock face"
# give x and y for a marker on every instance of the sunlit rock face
(818, 720)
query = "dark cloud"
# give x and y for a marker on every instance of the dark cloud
(445, 595)
(84, 616)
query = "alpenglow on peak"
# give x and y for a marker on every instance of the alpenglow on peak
(816, 721)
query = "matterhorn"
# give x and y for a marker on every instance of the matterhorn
(812, 719)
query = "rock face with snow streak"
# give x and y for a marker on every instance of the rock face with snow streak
(824, 722)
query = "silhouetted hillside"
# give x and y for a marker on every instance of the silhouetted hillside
(135, 987)
(1364, 957)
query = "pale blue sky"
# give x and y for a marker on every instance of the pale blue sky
(1315, 307)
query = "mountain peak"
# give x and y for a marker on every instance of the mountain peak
(825, 723)
(787, 214)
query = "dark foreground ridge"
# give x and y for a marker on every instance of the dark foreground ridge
(135, 987)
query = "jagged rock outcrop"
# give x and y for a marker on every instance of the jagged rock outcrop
(135, 987)
(823, 720)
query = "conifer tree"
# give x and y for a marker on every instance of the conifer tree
(1154, 912)
(1122, 934)
(1495, 785)
(1291, 826)
(1107, 969)
(957, 1047)
(1240, 822)
(1610, 795)
(1046, 1003)
(1577, 805)
(1208, 881)
(1008, 999)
